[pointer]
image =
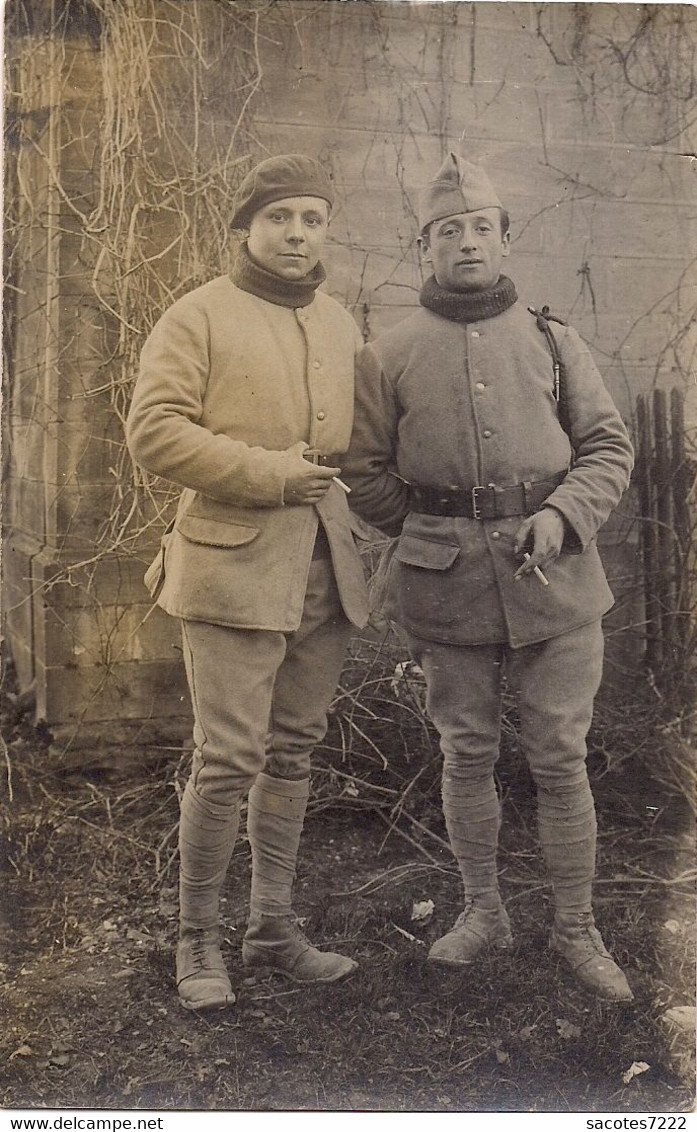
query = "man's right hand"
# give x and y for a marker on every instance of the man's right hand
(305, 482)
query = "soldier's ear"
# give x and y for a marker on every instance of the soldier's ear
(424, 248)
(506, 241)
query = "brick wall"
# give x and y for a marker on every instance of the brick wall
(584, 143)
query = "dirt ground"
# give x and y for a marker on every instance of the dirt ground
(89, 923)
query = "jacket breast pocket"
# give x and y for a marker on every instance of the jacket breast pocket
(414, 551)
(213, 532)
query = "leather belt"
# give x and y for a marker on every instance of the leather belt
(484, 501)
(319, 458)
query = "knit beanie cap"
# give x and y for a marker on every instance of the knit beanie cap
(289, 175)
(458, 186)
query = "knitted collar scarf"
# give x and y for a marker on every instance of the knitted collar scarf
(468, 306)
(249, 276)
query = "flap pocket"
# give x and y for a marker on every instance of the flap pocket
(414, 551)
(211, 532)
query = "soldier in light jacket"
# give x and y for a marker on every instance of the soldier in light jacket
(459, 448)
(244, 399)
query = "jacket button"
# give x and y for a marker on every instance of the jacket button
(316, 364)
(495, 534)
(321, 416)
(480, 385)
(487, 433)
(475, 333)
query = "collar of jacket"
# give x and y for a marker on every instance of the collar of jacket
(249, 276)
(468, 306)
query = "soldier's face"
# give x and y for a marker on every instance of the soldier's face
(287, 236)
(466, 250)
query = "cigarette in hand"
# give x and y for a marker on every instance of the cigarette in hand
(342, 485)
(536, 570)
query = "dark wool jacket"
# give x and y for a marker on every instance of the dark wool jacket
(440, 402)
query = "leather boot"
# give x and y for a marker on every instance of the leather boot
(202, 980)
(277, 943)
(577, 939)
(207, 833)
(475, 929)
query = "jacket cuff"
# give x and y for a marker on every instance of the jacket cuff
(573, 540)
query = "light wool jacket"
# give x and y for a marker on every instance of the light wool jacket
(445, 403)
(229, 381)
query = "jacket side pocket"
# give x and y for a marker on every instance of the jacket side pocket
(214, 532)
(414, 551)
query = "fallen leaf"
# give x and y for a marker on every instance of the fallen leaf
(502, 1057)
(22, 1051)
(684, 1017)
(567, 1030)
(672, 926)
(422, 911)
(526, 1033)
(634, 1070)
(59, 1059)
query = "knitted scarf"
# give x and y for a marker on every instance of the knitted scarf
(468, 306)
(249, 276)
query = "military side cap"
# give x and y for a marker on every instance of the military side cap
(458, 186)
(289, 175)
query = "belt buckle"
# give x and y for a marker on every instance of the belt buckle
(314, 456)
(477, 506)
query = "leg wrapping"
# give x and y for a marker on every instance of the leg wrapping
(275, 817)
(207, 835)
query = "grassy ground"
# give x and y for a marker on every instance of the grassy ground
(92, 1019)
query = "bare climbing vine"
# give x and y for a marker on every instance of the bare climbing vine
(137, 182)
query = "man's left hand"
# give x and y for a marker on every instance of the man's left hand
(543, 535)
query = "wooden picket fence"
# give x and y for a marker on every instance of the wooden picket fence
(665, 475)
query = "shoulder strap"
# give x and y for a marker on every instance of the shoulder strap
(543, 319)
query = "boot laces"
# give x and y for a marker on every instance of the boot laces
(589, 936)
(469, 908)
(297, 933)
(199, 947)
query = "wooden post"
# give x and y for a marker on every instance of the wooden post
(665, 577)
(681, 513)
(648, 535)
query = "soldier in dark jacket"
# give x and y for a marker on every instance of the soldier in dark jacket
(458, 448)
